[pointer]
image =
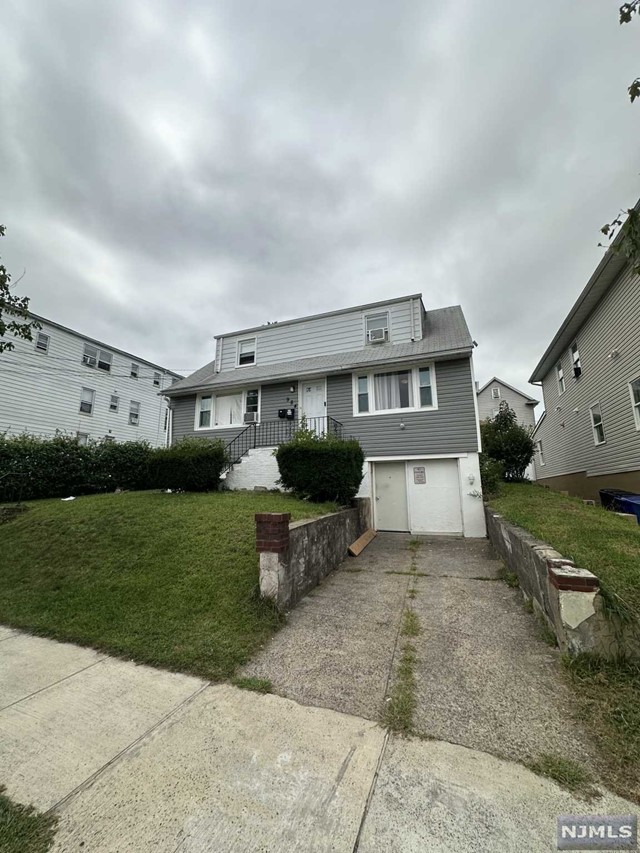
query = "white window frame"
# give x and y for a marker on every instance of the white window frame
(134, 372)
(134, 413)
(39, 335)
(540, 452)
(255, 352)
(415, 379)
(83, 438)
(157, 378)
(635, 407)
(113, 397)
(226, 393)
(93, 401)
(575, 358)
(387, 328)
(597, 443)
(562, 383)
(495, 396)
(101, 357)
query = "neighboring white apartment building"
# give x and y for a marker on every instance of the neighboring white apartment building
(63, 381)
(496, 391)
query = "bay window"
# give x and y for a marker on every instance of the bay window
(392, 391)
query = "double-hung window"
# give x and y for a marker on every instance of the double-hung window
(575, 360)
(42, 343)
(560, 377)
(376, 327)
(495, 393)
(114, 402)
(134, 413)
(205, 409)
(94, 357)
(156, 379)
(540, 452)
(596, 424)
(634, 388)
(413, 389)
(246, 352)
(135, 370)
(87, 398)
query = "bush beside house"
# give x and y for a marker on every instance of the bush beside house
(33, 467)
(321, 468)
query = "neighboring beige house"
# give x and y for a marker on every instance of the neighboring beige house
(496, 391)
(589, 435)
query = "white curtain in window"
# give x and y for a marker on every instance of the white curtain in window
(393, 390)
(229, 410)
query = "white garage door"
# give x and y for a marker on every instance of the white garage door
(434, 496)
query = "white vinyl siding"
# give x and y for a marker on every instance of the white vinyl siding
(609, 344)
(41, 394)
(385, 392)
(324, 336)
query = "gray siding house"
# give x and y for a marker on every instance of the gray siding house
(589, 436)
(63, 381)
(397, 377)
(496, 391)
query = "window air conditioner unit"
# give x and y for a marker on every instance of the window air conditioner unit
(377, 336)
(250, 417)
(577, 371)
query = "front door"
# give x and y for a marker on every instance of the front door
(313, 404)
(391, 497)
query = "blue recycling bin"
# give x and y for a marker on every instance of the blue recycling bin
(619, 500)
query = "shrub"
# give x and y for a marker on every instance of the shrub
(192, 464)
(508, 442)
(33, 467)
(321, 468)
(491, 473)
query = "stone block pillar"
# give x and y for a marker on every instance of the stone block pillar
(272, 543)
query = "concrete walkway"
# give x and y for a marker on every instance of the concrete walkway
(136, 759)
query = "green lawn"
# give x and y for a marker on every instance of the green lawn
(22, 829)
(169, 580)
(592, 537)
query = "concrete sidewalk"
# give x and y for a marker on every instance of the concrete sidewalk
(136, 759)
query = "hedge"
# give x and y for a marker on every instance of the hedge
(33, 467)
(322, 468)
(193, 464)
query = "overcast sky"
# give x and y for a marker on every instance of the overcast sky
(175, 169)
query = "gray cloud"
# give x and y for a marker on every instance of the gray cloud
(173, 170)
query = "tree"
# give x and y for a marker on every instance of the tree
(629, 229)
(15, 309)
(508, 442)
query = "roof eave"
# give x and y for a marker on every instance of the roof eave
(442, 355)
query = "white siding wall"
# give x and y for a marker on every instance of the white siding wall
(566, 435)
(323, 336)
(487, 404)
(40, 393)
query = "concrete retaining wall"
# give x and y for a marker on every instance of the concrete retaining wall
(258, 469)
(567, 597)
(295, 557)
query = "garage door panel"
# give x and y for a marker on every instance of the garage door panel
(434, 496)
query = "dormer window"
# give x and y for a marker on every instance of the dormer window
(246, 352)
(377, 328)
(495, 393)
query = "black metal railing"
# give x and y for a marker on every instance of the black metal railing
(273, 433)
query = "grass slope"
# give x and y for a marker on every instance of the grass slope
(593, 537)
(168, 580)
